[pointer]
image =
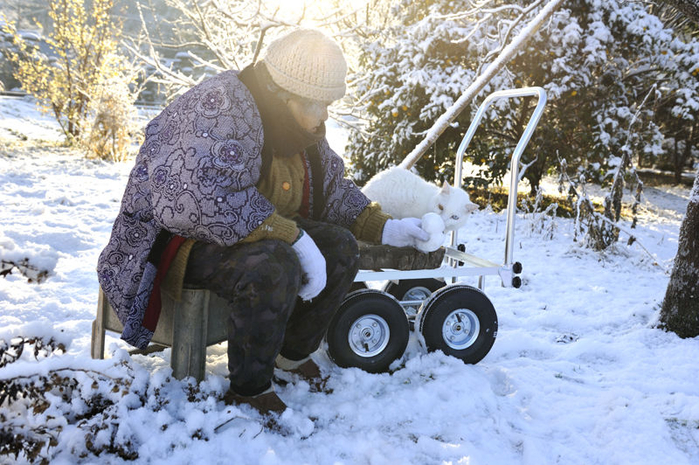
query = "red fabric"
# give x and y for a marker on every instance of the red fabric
(150, 319)
(306, 199)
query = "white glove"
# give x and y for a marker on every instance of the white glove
(405, 232)
(313, 277)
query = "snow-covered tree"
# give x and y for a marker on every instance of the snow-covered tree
(597, 60)
(682, 135)
(414, 68)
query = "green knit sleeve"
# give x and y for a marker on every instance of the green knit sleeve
(368, 226)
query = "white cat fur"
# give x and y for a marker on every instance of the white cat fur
(403, 194)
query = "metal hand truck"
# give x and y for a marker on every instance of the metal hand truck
(372, 327)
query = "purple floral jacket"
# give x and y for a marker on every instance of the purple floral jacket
(195, 176)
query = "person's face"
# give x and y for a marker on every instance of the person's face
(309, 114)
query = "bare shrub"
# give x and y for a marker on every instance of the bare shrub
(84, 46)
(113, 125)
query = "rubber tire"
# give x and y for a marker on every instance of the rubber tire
(401, 288)
(441, 304)
(358, 304)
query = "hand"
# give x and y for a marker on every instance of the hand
(313, 277)
(405, 232)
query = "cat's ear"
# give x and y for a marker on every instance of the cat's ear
(470, 207)
(446, 188)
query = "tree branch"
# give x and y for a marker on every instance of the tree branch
(469, 94)
(689, 8)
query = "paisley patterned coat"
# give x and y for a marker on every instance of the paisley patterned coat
(195, 176)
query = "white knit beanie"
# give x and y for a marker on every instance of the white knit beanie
(307, 63)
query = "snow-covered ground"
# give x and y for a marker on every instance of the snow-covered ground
(577, 375)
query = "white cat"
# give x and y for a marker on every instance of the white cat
(403, 194)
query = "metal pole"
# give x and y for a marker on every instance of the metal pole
(514, 172)
(516, 155)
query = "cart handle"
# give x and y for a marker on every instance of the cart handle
(516, 155)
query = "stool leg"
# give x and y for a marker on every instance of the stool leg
(189, 335)
(98, 327)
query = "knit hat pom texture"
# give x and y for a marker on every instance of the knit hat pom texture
(307, 63)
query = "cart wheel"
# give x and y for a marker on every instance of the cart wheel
(368, 331)
(413, 289)
(459, 320)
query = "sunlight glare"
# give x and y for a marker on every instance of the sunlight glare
(315, 10)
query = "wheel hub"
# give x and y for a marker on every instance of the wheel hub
(369, 335)
(417, 293)
(460, 329)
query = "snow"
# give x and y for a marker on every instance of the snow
(578, 374)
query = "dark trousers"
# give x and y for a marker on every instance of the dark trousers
(261, 281)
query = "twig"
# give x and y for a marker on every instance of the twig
(56, 370)
(632, 238)
(573, 191)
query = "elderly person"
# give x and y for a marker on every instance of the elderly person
(236, 190)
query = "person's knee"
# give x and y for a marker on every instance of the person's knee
(344, 256)
(351, 245)
(257, 271)
(280, 269)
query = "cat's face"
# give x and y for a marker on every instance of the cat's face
(454, 206)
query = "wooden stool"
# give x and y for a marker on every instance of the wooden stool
(188, 326)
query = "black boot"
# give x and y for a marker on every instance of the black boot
(265, 402)
(306, 369)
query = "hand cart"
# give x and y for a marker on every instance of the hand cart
(371, 328)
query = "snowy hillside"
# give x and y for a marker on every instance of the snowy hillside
(577, 375)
